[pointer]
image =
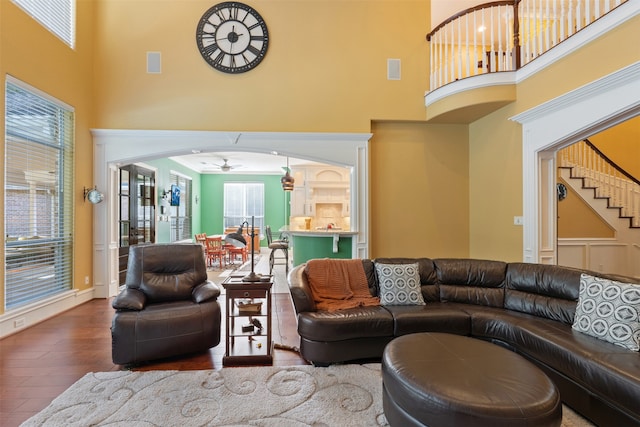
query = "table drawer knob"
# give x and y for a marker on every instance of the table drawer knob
(246, 294)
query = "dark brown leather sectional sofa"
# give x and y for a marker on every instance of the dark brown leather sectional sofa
(528, 308)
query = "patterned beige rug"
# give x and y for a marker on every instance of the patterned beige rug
(341, 395)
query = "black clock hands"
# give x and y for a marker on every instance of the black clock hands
(232, 36)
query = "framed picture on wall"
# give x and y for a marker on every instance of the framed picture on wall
(175, 195)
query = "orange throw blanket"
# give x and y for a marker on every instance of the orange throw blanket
(338, 284)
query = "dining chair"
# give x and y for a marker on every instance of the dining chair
(242, 252)
(201, 238)
(215, 250)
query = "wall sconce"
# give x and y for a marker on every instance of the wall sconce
(164, 202)
(92, 194)
(287, 180)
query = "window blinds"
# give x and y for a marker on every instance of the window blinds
(243, 200)
(38, 196)
(181, 215)
(58, 16)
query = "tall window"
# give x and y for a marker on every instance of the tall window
(242, 200)
(38, 198)
(181, 215)
(57, 16)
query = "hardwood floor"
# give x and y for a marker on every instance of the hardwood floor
(40, 362)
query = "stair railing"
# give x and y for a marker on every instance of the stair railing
(606, 178)
(505, 35)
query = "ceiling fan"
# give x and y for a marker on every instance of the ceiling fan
(226, 167)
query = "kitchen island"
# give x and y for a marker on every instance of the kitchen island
(320, 243)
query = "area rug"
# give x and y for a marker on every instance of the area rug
(295, 396)
(247, 265)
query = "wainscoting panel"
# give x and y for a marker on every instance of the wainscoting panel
(600, 255)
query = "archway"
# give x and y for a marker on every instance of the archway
(114, 147)
(555, 125)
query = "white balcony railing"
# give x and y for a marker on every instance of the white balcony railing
(505, 35)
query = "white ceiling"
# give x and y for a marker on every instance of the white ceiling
(241, 162)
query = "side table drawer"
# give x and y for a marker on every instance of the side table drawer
(247, 294)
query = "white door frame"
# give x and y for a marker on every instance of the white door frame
(114, 147)
(554, 125)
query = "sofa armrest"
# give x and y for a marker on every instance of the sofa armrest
(205, 291)
(300, 290)
(129, 299)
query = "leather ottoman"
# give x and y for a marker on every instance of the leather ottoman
(438, 379)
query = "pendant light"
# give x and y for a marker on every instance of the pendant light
(287, 180)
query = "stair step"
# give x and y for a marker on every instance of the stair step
(600, 197)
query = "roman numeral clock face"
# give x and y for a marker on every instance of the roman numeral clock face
(232, 37)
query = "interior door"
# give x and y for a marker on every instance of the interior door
(136, 217)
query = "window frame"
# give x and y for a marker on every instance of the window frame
(230, 219)
(61, 24)
(39, 135)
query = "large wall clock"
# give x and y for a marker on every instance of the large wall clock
(232, 37)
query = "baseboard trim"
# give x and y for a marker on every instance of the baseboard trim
(24, 317)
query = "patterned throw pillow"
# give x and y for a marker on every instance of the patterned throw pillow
(399, 284)
(609, 310)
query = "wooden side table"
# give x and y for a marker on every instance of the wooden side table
(247, 344)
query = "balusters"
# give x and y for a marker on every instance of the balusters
(459, 48)
(562, 21)
(547, 19)
(446, 56)
(554, 24)
(466, 48)
(458, 51)
(634, 205)
(441, 80)
(483, 30)
(539, 23)
(475, 44)
(500, 61)
(578, 16)
(452, 68)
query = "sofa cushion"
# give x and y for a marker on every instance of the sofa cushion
(471, 281)
(609, 310)
(607, 370)
(549, 291)
(399, 284)
(340, 325)
(432, 317)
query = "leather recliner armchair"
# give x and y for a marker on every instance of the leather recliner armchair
(168, 307)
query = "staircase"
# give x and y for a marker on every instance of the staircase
(584, 163)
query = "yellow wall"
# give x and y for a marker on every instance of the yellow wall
(31, 54)
(324, 71)
(621, 144)
(495, 187)
(419, 190)
(495, 142)
(599, 58)
(576, 219)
